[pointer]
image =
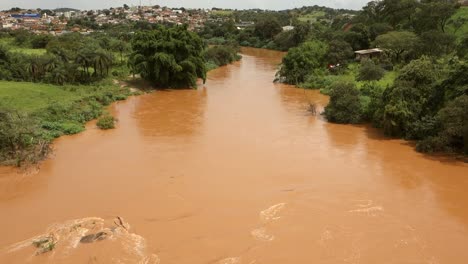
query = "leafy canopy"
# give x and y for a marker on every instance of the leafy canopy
(169, 57)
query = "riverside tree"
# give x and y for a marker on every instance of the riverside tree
(344, 106)
(302, 61)
(169, 57)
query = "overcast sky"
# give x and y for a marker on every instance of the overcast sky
(235, 4)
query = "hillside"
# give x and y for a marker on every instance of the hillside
(458, 24)
(64, 9)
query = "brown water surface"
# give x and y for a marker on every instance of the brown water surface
(236, 172)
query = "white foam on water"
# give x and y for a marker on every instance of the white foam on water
(369, 211)
(262, 235)
(234, 260)
(67, 236)
(272, 213)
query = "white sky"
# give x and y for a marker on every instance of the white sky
(235, 4)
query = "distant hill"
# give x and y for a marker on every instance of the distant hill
(66, 10)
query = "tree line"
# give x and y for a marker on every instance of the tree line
(70, 58)
(428, 99)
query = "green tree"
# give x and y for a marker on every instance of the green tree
(302, 61)
(408, 100)
(339, 51)
(437, 43)
(169, 57)
(453, 120)
(344, 106)
(267, 28)
(369, 71)
(434, 15)
(397, 43)
(20, 139)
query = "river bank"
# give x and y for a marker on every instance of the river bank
(34, 114)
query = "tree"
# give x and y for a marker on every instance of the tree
(453, 120)
(302, 61)
(358, 36)
(378, 29)
(267, 28)
(339, 51)
(20, 139)
(434, 15)
(369, 71)
(458, 23)
(169, 57)
(344, 106)
(120, 46)
(398, 12)
(437, 43)
(462, 48)
(40, 41)
(397, 43)
(409, 99)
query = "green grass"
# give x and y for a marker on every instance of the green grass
(353, 71)
(222, 12)
(42, 112)
(29, 97)
(29, 51)
(463, 31)
(32, 97)
(9, 42)
(312, 17)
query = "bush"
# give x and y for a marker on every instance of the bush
(20, 139)
(301, 61)
(106, 122)
(345, 104)
(453, 123)
(369, 71)
(221, 55)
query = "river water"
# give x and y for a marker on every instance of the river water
(237, 171)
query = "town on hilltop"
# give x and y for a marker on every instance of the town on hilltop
(60, 21)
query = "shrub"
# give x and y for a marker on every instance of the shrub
(370, 71)
(302, 61)
(20, 139)
(221, 55)
(106, 122)
(345, 105)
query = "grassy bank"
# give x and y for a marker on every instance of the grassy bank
(33, 114)
(323, 81)
(9, 42)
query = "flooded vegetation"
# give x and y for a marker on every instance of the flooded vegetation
(236, 171)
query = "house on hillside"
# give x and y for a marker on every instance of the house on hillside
(288, 28)
(368, 54)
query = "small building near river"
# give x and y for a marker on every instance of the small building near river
(368, 54)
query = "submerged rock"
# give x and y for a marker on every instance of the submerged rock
(44, 244)
(95, 237)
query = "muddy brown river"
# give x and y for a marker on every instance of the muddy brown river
(236, 172)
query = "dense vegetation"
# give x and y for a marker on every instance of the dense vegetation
(53, 85)
(169, 57)
(217, 56)
(68, 59)
(264, 29)
(32, 115)
(417, 89)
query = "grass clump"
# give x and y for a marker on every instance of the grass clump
(106, 122)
